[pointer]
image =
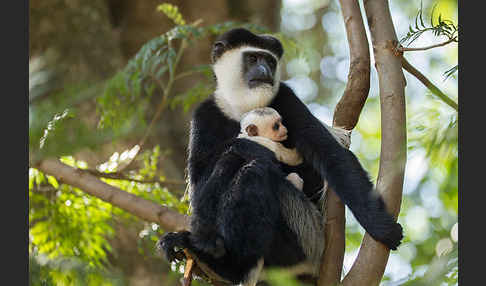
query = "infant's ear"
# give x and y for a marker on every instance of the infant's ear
(252, 130)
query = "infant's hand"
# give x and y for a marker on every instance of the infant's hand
(296, 180)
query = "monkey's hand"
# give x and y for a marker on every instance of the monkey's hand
(172, 244)
(393, 237)
(380, 224)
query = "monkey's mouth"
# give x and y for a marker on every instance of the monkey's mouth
(259, 81)
(283, 138)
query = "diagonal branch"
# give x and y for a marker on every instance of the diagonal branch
(168, 219)
(346, 116)
(369, 266)
(434, 89)
(122, 176)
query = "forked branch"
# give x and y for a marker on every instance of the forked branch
(346, 116)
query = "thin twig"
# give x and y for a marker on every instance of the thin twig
(183, 74)
(404, 49)
(167, 89)
(163, 103)
(434, 89)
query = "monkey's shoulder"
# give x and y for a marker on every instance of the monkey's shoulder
(209, 120)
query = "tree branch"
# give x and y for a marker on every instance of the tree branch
(369, 267)
(346, 116)
(404, 49)
(168, 219)
(434, 89)
(348, 109)
(121, 176)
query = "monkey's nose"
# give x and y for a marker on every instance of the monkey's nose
(264, 71)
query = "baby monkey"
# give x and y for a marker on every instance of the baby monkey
(264, 126)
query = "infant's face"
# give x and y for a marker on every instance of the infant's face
(274, 129)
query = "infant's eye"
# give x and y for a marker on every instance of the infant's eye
(276, 126)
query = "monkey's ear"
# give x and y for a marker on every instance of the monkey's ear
(218, 49)
(252, 130)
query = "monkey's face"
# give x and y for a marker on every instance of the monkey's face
(275, 130)
(247, 71)
(268, 126)
(259, 68)
(246, 68)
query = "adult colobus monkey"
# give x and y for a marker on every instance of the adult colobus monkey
(245, 213)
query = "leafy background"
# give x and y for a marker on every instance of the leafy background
(111, 90)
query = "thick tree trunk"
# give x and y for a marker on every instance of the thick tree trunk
(369, 267)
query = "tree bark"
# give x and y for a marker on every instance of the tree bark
(346, 115)
(369, 267)
(168, 219)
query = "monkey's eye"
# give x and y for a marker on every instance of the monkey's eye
(271, 63)
(276, 126)
(252, 59)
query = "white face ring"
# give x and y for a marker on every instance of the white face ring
(233, 95)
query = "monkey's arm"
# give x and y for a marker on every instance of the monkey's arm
(338, 166)
(285, 155)
(211, 134)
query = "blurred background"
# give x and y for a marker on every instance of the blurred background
(111, 88)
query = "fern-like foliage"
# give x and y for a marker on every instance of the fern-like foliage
(125, 98)
(172, 12)
(450, 72)
(442, 27)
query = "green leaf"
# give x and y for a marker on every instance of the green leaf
(192, 96)
(53, 181)
(172, 12)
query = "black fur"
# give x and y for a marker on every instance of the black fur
(242, 37)
(236, 214)
(238, 185)
(338, 166)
